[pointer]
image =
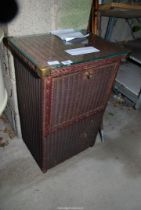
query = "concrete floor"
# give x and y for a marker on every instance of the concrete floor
(104, 177)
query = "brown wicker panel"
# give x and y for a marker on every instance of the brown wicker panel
(71, 140)
(80, 94)
(56, 146)
(29, 101)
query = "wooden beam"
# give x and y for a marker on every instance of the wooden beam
(113, 5)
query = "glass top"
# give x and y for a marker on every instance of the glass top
(41, 49)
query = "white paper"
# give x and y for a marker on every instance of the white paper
(59, 31)
(51, 63)
(67, 62)
(82, 50)
(69, 34)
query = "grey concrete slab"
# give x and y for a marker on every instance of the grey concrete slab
(104, 177)
(129, 75)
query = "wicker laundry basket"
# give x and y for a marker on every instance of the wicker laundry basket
(61, 106)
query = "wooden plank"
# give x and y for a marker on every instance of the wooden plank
(134, 6)
(121, 13)
(94, 19)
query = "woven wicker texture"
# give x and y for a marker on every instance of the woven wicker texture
(61, 116)
(71, 140)
(29, 94)
(80, 94)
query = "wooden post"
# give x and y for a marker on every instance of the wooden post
(94, 18)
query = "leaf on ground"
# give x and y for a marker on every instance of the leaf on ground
(9, 132)
(111, 114)
(136, 28)
(3, 142)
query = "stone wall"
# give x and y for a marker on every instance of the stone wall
(45, 15)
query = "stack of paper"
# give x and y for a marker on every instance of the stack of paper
(82, 50)
(69, 34)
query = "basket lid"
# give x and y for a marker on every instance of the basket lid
(47, 52)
